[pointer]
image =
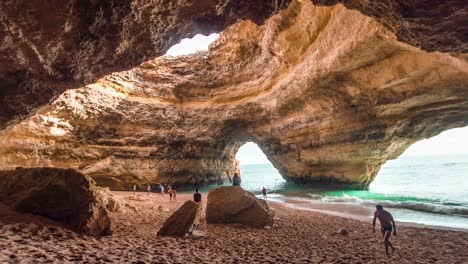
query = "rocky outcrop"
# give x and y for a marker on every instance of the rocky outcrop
(183, 221)
(111, 203)
(328, 93)
(430, 25)
(234, 205)
(48, 47)
(63, 195)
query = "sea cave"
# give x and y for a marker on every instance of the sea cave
(92, 100)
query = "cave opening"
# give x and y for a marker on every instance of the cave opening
(257, 171)
(431, 168)
(192, 45)
(428, 182)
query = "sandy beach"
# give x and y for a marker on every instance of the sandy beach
(297, 237)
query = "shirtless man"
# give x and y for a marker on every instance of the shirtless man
(387, 224)
(264, 192)
(169, 191)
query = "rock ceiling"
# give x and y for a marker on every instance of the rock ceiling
(329, 92)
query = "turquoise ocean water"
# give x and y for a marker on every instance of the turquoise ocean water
(431, 190)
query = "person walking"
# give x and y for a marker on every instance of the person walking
(264, 192)
(134, 189)
(387, 224)
(148, 188)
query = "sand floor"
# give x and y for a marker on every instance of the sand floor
(297, 237)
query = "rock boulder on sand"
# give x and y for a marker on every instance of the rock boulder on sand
(111, 203)
(234, 205)
(182, 221)
(64, 195)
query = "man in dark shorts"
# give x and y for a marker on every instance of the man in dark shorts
(197, 197)
(264, 192)
(387, 224)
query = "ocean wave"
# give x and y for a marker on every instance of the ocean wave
(428, 206)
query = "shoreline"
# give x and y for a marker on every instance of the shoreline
(330, 208)
(356, 211)
(369, 220)
(297, 236)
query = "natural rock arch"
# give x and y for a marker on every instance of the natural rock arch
(327, 93)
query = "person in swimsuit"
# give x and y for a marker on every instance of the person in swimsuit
(174, 195)
(387, 224)
(169, 191)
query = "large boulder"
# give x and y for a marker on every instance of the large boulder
(64, 195)
(234, 205)
(182, 221)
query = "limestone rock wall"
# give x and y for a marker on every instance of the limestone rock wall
(430, 25)
(328, 93)
(47, 47)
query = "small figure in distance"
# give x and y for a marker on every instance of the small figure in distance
(169, 191)
(264, 192)
(161, 189)
(148, 188)
(236, 180)
(387, 224)
(174, 195)
(134, 189)
(197, 197)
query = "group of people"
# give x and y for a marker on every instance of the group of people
(160, 190)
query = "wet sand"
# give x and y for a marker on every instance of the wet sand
(298, 236)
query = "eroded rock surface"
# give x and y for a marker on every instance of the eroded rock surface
(328, 94)
(63, 195)
(112, 204)
(49, 46)
(234, 205)
(430, 25)
(183, 221)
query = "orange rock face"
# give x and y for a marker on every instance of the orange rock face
(47, 47)
(328, 93)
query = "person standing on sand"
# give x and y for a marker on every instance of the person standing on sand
(161, 189)
(148, 188)
(134, 189)
(169, 191)
(236, 180)
(174, 195)
(386, 224)
(264, 192)
(197, 197)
